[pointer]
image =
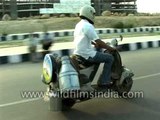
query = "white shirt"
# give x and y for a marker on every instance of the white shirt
(84, 33)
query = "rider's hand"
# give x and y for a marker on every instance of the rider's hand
(95, 44)
(111, 50)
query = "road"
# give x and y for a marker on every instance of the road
(15, 78)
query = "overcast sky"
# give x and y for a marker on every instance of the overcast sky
(151, 6)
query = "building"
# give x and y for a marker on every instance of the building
(26, 8)
(119, 6)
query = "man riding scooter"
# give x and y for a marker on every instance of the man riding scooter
(73, 75)
(84, 37)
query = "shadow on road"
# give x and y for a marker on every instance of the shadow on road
(112, 109)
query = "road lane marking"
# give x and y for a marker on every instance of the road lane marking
(146, 76)
(30, 100)
(18, 102)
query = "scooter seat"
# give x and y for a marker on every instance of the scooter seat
(82, 62)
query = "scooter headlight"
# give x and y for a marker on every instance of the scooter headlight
(114, 42)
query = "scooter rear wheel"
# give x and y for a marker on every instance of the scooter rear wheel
(67, 103)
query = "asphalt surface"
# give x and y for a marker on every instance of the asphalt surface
(15, 78)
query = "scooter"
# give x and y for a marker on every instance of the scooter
(68, 78)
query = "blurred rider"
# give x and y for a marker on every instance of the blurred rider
(32, 47)
(47, 43)
(85, 37)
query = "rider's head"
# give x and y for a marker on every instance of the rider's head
(88, 13)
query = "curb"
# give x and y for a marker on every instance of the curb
(62, 33)
(19, 58)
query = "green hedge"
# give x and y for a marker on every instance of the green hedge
(53, 23)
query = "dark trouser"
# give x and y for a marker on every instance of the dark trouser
(107, 59)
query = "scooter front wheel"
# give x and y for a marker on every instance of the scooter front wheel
(124, 87)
